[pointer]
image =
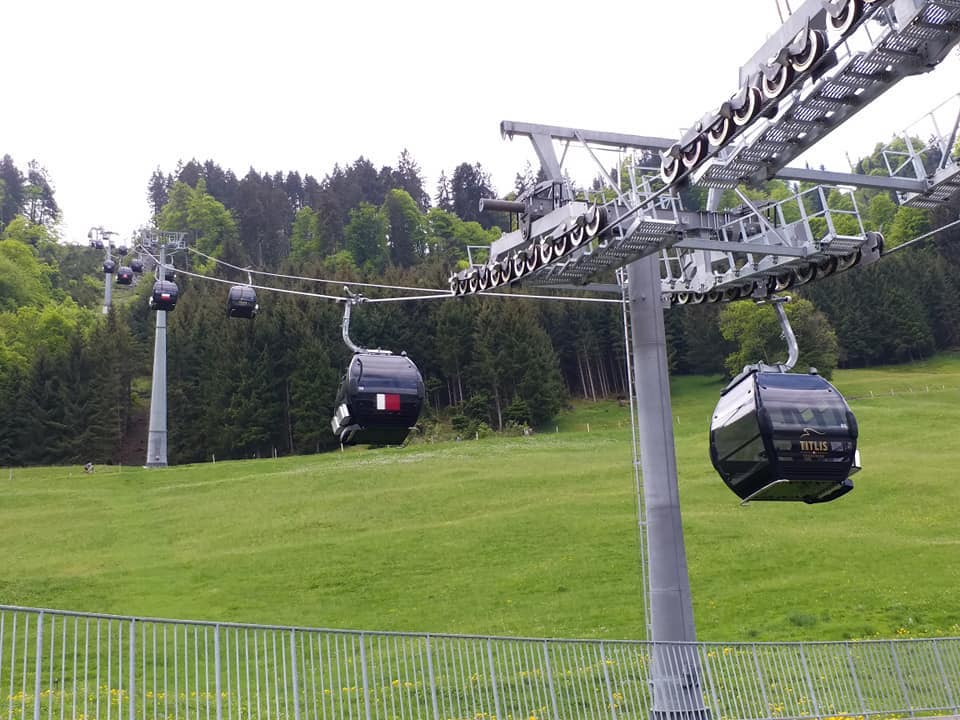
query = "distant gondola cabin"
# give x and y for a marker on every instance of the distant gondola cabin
(164, 296)
(379, 400)
(784, 436)
(109, 266)
(136, 265)
(124, 276)
(242, 302)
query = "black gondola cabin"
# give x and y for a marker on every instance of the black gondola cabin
(109, 266)
(242, 302)
(165, 295)
(379, 400)
(124, 276)
(169, 273)
(784, 436)
(136, 265)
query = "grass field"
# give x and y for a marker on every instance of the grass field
(522, 536)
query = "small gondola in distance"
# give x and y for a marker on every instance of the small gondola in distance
(378, 401)
(782, 436)
(169, 272)
(164, 295)
(136, 265)
(109, 266)
(124, 275)
(242, 302)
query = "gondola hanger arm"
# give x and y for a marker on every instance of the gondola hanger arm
(793, 350)
(349, 301)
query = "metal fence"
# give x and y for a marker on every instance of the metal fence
(57, 665)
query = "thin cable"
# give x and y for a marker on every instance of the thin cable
(920, 237)
(448, 296)
(308, 279)
(335, 298)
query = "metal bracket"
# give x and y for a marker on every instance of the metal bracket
(351, 300)
(793, 350)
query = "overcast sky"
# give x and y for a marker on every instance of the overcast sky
(106, 92)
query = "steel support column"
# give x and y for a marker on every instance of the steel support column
(157, 435)
(676, 669)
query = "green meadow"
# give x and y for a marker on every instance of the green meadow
(531, 536)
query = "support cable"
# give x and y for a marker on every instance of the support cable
(181, 271)
(439, 294)
(901, 246)
(316, 280)
(448, 296)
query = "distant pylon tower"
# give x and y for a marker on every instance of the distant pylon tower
(160, 242)
(99, 236)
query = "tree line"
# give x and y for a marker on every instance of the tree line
(74, 384)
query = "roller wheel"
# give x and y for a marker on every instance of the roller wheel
(693, 153)
(532, 258)
(670, 168)
(697, 298)
(720, 132)
(561, 245)
(731, 294)
(462, 287)
(783, 282)
(546, 252)
(519, 265)
(483, 278)
(594, 219)
(816, 45)
(577, 235)
(715, 296)
(827, 267)
(473, 281)
(495, 278)
(746, 291)
(844, 22)
(848, 261)
(748, 111)
(805, 274)
(775, 88)
(454, 285)
(682, 298)
(506, 270)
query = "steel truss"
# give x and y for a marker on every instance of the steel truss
(575, 239)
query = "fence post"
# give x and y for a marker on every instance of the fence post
(903, 685)
(553, 694)
(216, 669)
(856, 682)
(433, 681)
(606, 681)
(293, 671)
(943, 676)
(363, 668)
(493, 679)
(760, 680)
(132, 671)
(809, 681)
(38, 667)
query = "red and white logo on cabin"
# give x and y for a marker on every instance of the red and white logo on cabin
(389, 402)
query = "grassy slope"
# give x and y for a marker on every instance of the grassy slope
(530, 536)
